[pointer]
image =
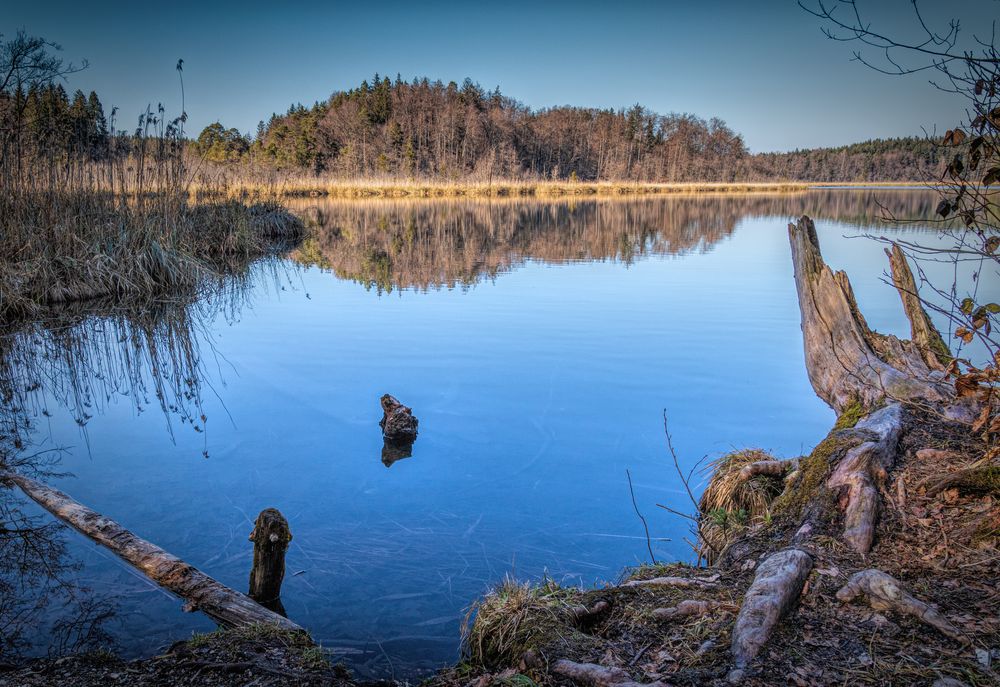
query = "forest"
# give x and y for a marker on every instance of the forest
(428, 130)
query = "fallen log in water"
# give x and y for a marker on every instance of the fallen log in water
(222, 604)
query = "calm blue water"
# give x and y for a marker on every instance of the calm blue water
(539, 350)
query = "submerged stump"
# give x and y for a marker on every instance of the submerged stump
(270, 538)
(398, 424)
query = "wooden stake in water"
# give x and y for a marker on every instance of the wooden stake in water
(270, 538)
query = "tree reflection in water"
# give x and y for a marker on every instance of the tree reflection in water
(81, 358)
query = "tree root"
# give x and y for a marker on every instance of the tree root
(692, 607)
(598, 676)
(698, 582)
(582, 614)
(774, 590)
(770, 468)
(861, 470)
(978, 481)
(885, 593)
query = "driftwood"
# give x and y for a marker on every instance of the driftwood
(397, 423)
(270, 537)
(774, 590)
(886, 594)
(222, 604)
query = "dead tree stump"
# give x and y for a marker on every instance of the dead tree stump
(398, 424)
(270, 539)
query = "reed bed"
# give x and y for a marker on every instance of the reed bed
(59, 248)
(116, 221)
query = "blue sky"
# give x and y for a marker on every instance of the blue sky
(762, 66)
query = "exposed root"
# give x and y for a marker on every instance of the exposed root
(598, 676)
(582, 614)
(692, 607)
(862, 469)
(885, 593)
(769, 468)
(979, 481)
(697, 582)
(774, 590)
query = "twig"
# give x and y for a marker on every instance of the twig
(677, 465)
(649, 544)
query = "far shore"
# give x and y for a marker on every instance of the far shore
(354, 189)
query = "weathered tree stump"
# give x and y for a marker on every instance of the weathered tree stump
(870, 380)
(398, 424)
(270, 538)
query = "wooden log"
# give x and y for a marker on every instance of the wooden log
(398, 424)
(270, 537)
(222, 604)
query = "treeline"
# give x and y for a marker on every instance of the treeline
(44, 120)
(429, 129)
(894, 159)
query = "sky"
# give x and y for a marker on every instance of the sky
(763, 66)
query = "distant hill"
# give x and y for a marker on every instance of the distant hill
(431, 129)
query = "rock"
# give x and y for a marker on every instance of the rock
(398, 424)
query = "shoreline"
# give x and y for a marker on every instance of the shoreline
(362, 189)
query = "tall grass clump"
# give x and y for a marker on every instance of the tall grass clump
(730, 503)
(87, 211)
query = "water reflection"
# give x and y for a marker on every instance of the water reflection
(388, 244)
(504, 378)
(80, 359)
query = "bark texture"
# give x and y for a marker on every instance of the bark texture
(885, 593)
(270, 537)
(862, 470)
(841, 357)
(398, 424)
(773, 592)
(222, 604)
(923, 333)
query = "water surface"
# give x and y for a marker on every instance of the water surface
(538, 343)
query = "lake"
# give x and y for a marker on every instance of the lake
(539, 344)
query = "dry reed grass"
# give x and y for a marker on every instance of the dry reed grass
(59, 248)
(730, 504)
